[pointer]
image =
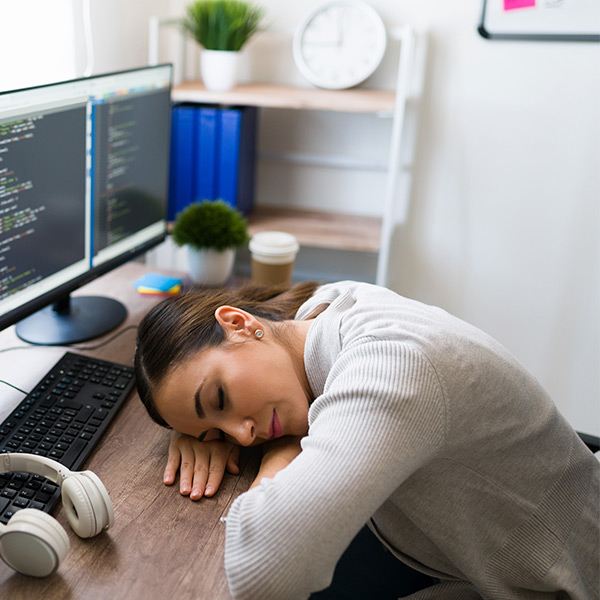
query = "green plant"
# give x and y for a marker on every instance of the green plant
(222, 24)
(209, 224)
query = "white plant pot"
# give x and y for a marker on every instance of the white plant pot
(219, 69)
(210, 267)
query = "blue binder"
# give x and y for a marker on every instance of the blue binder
(212, 156)
(181, 176)
(236, 157)
(207, 143)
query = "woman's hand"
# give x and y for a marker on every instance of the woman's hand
(277, 455)
(201, 464)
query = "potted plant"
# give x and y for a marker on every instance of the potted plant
(221, 27)
(211, 230)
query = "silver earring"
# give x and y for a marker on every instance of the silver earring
(259, 333)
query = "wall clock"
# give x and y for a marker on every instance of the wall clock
(339, 44)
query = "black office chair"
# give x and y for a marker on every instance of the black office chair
(591, 441)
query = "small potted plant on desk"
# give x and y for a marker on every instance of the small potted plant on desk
(221, 27)
(212, 231)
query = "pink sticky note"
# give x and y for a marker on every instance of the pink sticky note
(513, 4)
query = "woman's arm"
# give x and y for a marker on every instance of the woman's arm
(285, 536)
(277, 455)
(201, 464)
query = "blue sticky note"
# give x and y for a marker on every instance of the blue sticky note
(161, 283)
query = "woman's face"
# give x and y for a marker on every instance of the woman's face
(251, 389)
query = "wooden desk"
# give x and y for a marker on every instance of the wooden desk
(162, 544)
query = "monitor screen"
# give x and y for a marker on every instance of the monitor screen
(83, 188)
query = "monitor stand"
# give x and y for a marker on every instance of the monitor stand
(72, 320)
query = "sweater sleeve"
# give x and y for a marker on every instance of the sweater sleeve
(380, 418)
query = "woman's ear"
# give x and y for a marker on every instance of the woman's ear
(236, 321)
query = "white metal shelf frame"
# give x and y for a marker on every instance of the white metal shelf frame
(408, 90)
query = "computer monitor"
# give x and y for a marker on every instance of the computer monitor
(83, 189)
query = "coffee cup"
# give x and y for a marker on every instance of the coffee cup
(273, 255)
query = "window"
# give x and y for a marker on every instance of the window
(37, 44)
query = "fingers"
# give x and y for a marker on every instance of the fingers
(220, 452)
(186, 456)
(201, 465)
(233, 460)
(173, 460)
(188, 466)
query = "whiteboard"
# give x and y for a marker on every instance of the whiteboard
(551, 20)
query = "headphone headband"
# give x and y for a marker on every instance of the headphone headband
(38, 465)
(32, 542)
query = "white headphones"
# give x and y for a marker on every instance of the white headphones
(33, 543)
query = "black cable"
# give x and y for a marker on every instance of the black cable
(84, 348)
(101, 345)
(17, 348)
(13, 386)
(105, 342)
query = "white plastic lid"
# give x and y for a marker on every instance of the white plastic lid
(274, 247)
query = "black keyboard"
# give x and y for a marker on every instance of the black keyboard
(63, 418)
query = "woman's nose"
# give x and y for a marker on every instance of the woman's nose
(244, 433)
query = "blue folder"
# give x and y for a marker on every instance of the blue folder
(236, 157)
(207, 144)
(181, 179)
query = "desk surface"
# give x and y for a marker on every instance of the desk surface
(162, 545)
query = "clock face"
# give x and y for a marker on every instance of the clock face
(339, 44)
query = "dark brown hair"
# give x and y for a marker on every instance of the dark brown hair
(180, 326)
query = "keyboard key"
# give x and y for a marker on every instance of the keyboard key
(101, 413)
(49, 488)
(4, 502)
(84, 414)
(72, 454)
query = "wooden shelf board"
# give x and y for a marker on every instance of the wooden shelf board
(359, 100)
(319, 229)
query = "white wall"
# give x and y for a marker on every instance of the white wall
(120, 32)
(503, 226)
(504, 223)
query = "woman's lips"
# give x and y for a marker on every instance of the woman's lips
(275, 429)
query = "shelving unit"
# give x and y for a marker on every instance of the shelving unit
(317, 228)
(267, 95)
(314, 228)
(320, 229)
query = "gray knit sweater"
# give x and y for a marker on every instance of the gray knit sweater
(431, 432)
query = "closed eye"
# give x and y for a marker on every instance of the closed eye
(221, 398)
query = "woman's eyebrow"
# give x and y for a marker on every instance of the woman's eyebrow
(197, 403)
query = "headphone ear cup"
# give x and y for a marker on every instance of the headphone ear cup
(33, 543)
(87, 504)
